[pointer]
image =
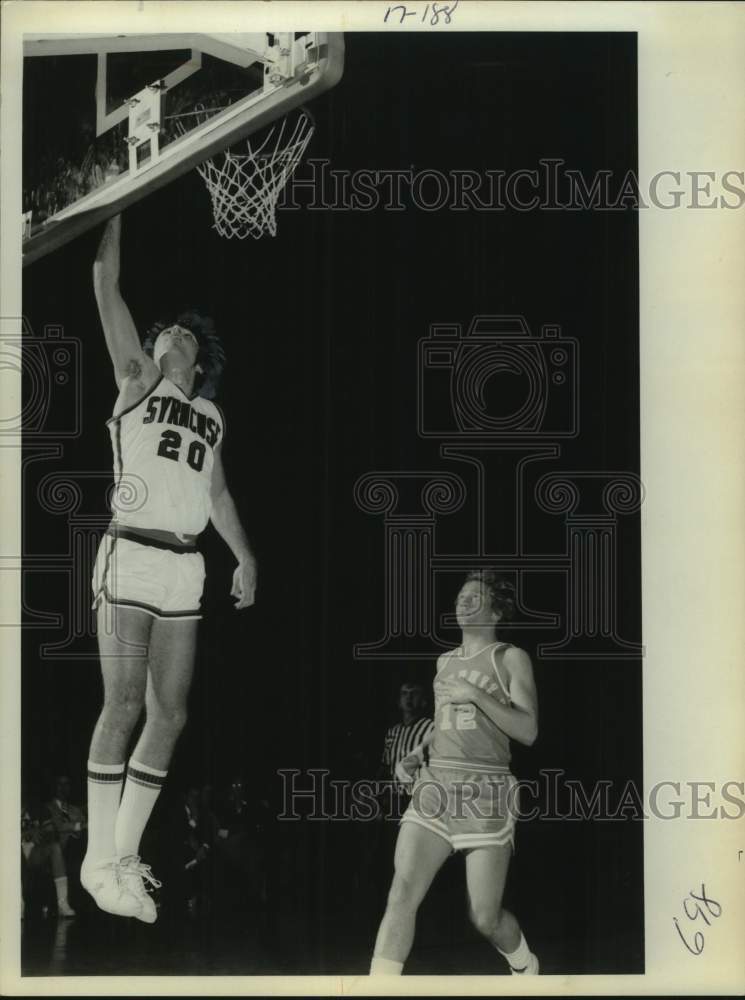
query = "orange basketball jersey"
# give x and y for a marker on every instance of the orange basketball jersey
(463, 733)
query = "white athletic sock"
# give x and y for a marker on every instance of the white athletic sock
(60, 886)
(385, 967)
(141, 791)
(520, 957)
(104, 791)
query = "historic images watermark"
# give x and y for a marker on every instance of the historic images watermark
(548, 186)
(47, 416)
(456, 413)
(520, 434)
(313, 795)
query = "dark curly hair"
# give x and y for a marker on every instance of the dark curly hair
(501, 592)
(211, 355)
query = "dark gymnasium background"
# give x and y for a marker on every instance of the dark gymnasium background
(321, 327)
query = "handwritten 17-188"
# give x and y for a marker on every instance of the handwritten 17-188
(432, 13)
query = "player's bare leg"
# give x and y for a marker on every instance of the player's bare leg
(170, 670)
(486, 874)
(419, 855)
(123, 637)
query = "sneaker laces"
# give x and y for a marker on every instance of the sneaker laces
(113, 865)
(136, 874)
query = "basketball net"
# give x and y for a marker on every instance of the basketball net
(244, 187)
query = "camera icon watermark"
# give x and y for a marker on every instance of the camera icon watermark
(500, 402)
(49, 406)
(497, 380)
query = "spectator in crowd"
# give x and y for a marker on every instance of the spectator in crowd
(242, 824)
(206, 799)
(191, 838)
(67, 818)
(70, 825)
(42, 857)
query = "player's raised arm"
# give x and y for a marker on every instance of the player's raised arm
(127, 356)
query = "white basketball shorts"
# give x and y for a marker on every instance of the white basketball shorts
(162, 581)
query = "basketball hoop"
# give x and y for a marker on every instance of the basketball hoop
(244, 187)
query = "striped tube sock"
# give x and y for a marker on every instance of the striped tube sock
(104, 791)
(141, 791)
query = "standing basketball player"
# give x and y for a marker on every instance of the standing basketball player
(463, 800)
(149, 576)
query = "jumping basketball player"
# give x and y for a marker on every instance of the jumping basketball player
(148, 578)
(462, 801)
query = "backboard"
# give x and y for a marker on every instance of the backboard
(109, 119)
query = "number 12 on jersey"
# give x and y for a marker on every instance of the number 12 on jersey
(465, 716)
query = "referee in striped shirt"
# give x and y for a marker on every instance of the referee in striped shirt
(406, 735)
(400, 740)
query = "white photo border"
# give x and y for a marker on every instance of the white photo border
(692, 323)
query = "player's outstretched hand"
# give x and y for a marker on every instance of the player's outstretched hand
(244, 584)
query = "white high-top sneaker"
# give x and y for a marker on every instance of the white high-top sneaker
(105, 882)
(134, 876)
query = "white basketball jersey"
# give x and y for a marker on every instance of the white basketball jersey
(163, 457)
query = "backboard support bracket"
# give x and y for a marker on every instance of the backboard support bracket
(145, 120)
(295, 68)
(106, 121)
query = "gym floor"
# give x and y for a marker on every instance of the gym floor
(334, 932)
